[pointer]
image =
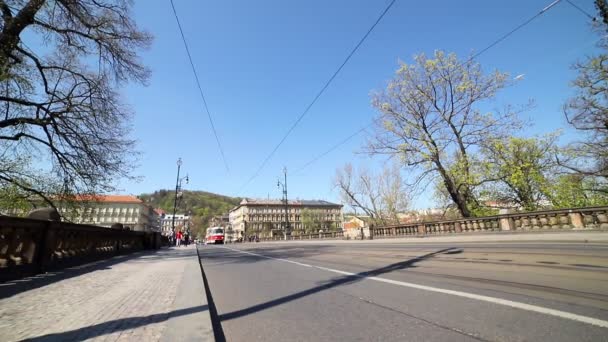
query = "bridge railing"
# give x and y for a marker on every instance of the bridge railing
(322, 235)
(29, 246)
(546, 220)
(563, 219)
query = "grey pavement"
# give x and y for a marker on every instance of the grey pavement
(410, 292)
(148, 296)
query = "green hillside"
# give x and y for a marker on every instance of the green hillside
(201, 204)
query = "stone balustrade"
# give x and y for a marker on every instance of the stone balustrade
(322, 235)
(568, 219)
(30, 246)
(547, 220)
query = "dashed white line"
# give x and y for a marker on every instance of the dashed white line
(494, 300)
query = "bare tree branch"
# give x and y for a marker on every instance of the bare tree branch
(60, 105)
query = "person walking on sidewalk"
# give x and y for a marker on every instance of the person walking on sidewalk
(178, 238)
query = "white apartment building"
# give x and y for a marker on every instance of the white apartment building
(267, 217)
(106, 210)
(237, 217)
(181, 222)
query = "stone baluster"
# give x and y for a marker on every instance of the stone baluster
(517, 223)
(544, 222)
(589, 220)
(525, 223)
(421, 229)
(602, 219)
(534, 222)
(564, 221)
(576, 220)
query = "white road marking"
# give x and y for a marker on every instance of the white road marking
(267, 257)
(494, 300)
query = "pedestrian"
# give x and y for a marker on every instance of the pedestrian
(178, 238)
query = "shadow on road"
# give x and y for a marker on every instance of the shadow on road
(115, 325)
(335, 282)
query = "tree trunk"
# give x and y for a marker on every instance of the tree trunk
(9, 37)
(458, 198)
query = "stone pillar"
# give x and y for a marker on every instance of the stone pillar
(506, 223)
(576, 219)
(421, 229)
(457, 227)
(47, 246)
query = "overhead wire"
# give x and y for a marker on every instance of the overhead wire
(580, 9)
(331, 149)
(517, 28)
(491, 45)
(200, 88)
(314, 100)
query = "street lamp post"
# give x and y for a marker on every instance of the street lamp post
(188, 223)
(178, 186)
(284, 184)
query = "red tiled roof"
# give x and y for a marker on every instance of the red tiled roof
(109, 198)
(159, 211)
(350, 225)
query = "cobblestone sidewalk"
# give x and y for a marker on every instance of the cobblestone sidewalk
(127, 298)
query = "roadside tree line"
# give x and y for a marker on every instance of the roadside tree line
(435, 125)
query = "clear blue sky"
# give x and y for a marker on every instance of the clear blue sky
(261, 62)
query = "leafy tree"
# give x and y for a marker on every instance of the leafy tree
(13, 201)
(311, 222)
(59, 99)
(267, 228)
(523, 169)
(429, 117)
(576, 190)
(198, 228)
(587, 111)
(602, 8)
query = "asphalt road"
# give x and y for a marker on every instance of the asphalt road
(391, 292)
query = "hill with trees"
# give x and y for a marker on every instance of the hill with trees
(201, 205)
